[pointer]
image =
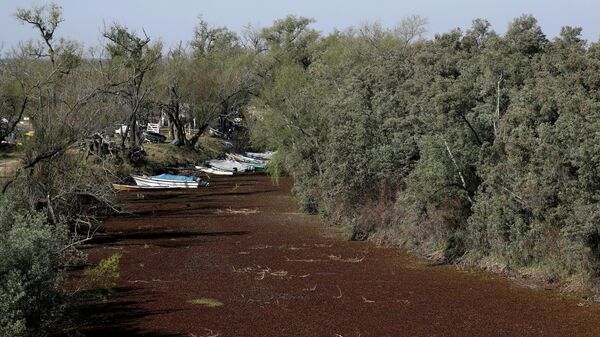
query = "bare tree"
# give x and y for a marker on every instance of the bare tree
(59, 91)
(411, 28)
(12, 108)
(175, 97)
(223, 76)
(252, 39)
(133, 60)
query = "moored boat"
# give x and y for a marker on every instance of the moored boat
(261, 155)
(154, 137)
(119, 187)
(244, 159)
(230, 165)
(215, 171)
(168, 180)
(258, 166)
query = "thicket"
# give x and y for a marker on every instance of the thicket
(471, 147)
(31, 255)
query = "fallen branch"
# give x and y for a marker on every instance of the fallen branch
(301, 260)
(340, 290)
(366, 300)
(349, 260)
(462, 178)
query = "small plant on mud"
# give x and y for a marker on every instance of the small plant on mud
(105, 275)
(207, 302)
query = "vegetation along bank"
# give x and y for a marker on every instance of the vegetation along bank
(470, 147)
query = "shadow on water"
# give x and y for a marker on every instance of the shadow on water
(158, 195)
(232, 193)
(133, 196)
(188, 208)
(92, 316)
(159, 234)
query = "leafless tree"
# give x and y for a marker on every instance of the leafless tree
(132, 62)
(411, 28)
(60, 92)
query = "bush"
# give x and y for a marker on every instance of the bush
(30, 274)
(105, 275)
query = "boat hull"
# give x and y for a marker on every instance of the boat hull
(215, 171)
(154, 182)
(260, 155)
(246, 160)
(119, 187)
(258, 166)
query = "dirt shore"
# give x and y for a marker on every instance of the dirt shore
(239, 259)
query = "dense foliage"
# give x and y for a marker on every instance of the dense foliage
(470, 147)
(31, 251)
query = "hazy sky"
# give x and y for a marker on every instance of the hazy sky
(173, 20)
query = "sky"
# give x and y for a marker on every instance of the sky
(172, 21)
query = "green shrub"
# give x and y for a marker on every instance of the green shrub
(30, 273)
(105, 275)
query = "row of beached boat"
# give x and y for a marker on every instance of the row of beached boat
(233, 164)
(236, 163)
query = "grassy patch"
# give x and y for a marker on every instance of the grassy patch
(207, 302)
(164, 155)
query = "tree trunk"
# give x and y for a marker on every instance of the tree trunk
(195, 138)
(177, 127)
(174, 111)
(12, 123)
(180, 132)
(123, 134)
(133, 129)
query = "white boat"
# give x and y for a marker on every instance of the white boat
(167, 180)
(215, 171)
(261, 155)
(230, 165)
(244, 159)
